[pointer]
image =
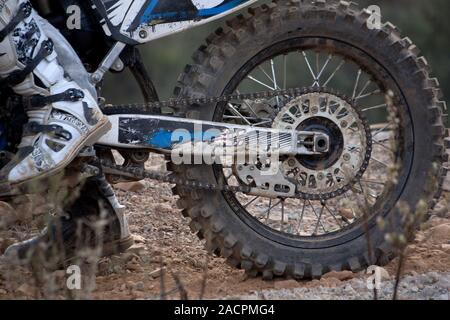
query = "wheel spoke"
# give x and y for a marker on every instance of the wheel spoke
(261, 83)
(248, 106)
(334, 73)
(380, 162)
(382, 145)
(264, 121)
(251, 201)
(310, 68)
(248, 118)
(366, 85)
(319, 75)
(373, 182)
(299, 221)
(236, 112)
(374, 107)
(358, 76)
(378, 91)
(381, 130)
(334, 216)
(273, 80)
(365, 193)
(315, 213)
(319, 220)
(270, 208)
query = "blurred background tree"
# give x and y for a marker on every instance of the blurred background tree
(427, 23)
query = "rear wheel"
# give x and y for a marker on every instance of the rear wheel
(369, 90)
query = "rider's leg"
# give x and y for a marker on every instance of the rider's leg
(95, 221)
(63, 117)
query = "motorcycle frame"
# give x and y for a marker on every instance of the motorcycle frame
(127, 32)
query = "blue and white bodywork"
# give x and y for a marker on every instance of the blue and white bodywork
(141, 21)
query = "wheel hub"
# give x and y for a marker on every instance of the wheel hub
(336, 144)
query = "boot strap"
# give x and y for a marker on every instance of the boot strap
(18, 76)
(39, 101)
(33, 128)
(24, 12)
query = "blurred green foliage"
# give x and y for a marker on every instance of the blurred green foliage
(427, 23)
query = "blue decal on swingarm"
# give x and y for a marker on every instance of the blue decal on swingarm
(163, 139)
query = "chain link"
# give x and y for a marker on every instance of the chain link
(172, 103)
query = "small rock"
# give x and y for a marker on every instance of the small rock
(26, 289)
(130, 285)
(117, 269)
(104, 266)
(444, 297)
(137, 268)
(156, 273)
(346, 213)
(3, 291)
(134, 186)
(414, 289)
(134, 265)
(148, 228)
(163, 207)
(384, 275)
(340, 275)
(137, 248)
(127, 256)
(140, 286)
(442, 209)
(440, 234)
(286, 284)
(445, 247)
(139, 239)
(443, 283)
(330, 282)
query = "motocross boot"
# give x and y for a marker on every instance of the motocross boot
(63, 117)
(94, 227)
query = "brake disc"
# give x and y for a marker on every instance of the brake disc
(332, 174)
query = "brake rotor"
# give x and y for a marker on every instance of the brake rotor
(331, 174)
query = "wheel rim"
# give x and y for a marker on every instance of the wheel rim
(370, 84)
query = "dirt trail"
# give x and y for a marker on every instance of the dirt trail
(161, 231)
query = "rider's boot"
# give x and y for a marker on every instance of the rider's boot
(63, 117)
(94, 227)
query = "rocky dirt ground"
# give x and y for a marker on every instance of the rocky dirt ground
(168, 258)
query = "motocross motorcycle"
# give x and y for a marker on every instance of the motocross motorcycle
(357, 115)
